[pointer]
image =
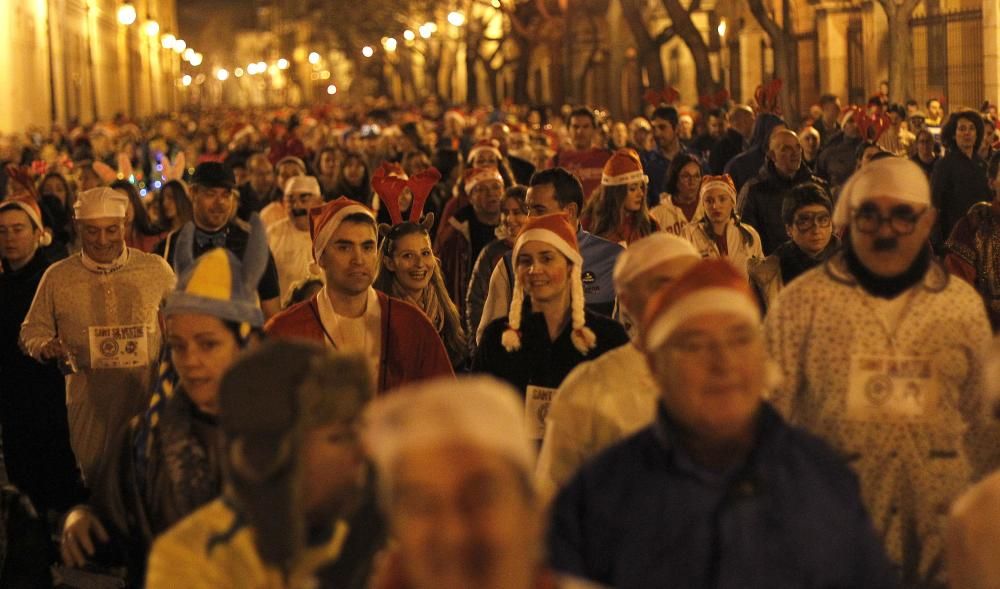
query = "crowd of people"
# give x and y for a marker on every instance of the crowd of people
(402, 346)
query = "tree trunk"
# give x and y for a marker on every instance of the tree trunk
(900, 48)
(786, 55)
(681, 19)
(648, 50)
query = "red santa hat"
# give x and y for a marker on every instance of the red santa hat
(710, 286)
(476, 176)
(484, 145)
(555, 230)
(324, 220)
(27, 204)
(623, 168)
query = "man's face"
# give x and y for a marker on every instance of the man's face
(18, 237)
(350, 258)
(714, 126)
(286, 171)
(664, 133)
(297, 206)
(486, 196)
(711, 375)
(887, 234)
(809, 142)
(786, 153)
(213, 207)
(811, 228)
(831, 110)
(965, 134)
(261, 175)
(541, 200)
(685, 127)
(464, 518)
(581, 132)
(637, 292)
(103, 239)
(333, 470)
(934, 109)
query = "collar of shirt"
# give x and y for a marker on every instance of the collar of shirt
(94, 266)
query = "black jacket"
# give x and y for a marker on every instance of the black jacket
(957, 183)
(729, 146)
(760, 203)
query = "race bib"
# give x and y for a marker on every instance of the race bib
(893, 387)
(119, 346)
(536, 408)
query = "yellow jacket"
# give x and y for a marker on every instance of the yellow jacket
(199, 552)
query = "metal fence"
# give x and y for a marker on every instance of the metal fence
(948, 57)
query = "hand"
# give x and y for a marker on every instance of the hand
(79, 531)
(54, 350)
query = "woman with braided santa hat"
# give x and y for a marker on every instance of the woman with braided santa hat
(719, 233)
(537, 344)
(408, 268)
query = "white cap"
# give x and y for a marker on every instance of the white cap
(100, 202)
(649, 252)
(302, 185)
(478, 411)
(894, 177)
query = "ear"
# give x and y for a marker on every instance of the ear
(427, 222)
(572, 210)
(788, 230)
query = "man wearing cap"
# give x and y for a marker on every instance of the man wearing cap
(606, 399)
(398, 340)
(718, 491)
(289, 238)
(883, 357)
(551, 191)
(95, 315)
(298, 507)
(469, 230)
(214, 201)
(36, 449)
(455, 481)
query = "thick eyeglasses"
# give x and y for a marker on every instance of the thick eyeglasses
(807, 222)
(902, 219)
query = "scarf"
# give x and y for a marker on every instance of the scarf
(887, 288)
(794, 261)
(100, 268)
(185, 458)
(427, 302)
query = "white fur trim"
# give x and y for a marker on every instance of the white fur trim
(623, 179)
(326, 232)
(484, 175)
(549, 237)
(701, 302)
(717, 184)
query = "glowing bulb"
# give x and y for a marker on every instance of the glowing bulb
(180, 45)
(456, 18)
(126, 14)
(151, 28)
(408, 35)
(367, 51)
(196, 59)
(238, 72)
(167, 41)
(222, 74)
(331, 89)
(188, 54)
(186, 80)
(722, 28)
(283, 64)
(314, 58)
(389, 43)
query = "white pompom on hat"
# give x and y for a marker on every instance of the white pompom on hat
(28, 204)
(555, 230)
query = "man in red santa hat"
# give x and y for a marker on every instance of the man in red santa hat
(349, 315)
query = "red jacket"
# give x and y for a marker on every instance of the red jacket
(411, 348)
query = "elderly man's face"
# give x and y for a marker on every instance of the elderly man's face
(887, 234)
(711, 375)
(464, 518)
(103, 240)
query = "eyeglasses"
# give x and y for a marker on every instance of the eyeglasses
(805, 222)
(902, 219)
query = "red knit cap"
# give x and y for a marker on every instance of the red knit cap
(28, 204)
(556, 230)
(624, 167)
(324, 220)
(710, 286)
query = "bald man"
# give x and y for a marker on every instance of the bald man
(759, 202)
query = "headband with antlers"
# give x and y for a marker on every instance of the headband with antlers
(872, 126)
(668, 95)
(20, 176)
(714, 101)
(389, 181)
(768, 97)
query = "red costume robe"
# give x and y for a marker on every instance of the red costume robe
(411, 348)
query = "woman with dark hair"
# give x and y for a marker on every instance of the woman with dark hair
(354, 179)
(166, 463)
(923, 152)
(960, 178)
(57, 198)
(680, 205)
(618, 213)
(174, 205)
(719, 233)
(326, 165)
(140, 233)
(212, 150)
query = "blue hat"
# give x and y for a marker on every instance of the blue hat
(218, 283)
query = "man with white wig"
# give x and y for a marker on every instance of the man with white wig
(454, 465)
(718, 491)
(613, 396)
(95, 314)
(883, 356)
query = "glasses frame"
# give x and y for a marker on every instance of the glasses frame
(891, 220)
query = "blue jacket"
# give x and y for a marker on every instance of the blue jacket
(642, 514)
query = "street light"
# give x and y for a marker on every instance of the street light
(186, 80)
(389, 43)
(283, 64)
(179, 46)
(238, 72)
(408, 35)
(151, 28)
(126, 14)
(196, 59)
(222, 74)
(722, 28)
(331, 89)
(314, 58)
(456, 18)
(367, 51)
(167, 41)
(187, 55)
